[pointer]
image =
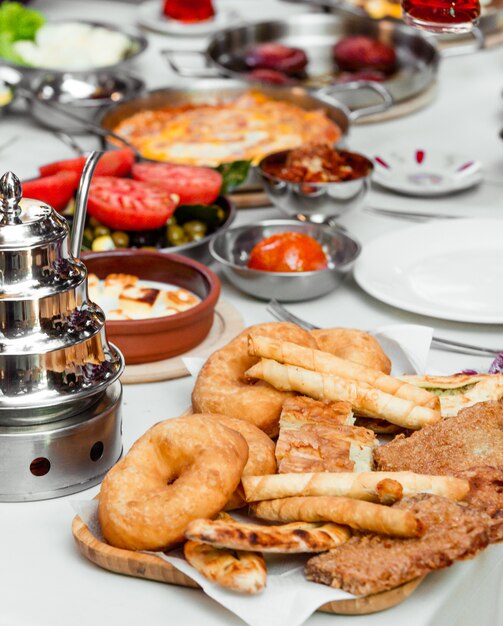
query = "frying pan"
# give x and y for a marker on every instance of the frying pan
(221, 90)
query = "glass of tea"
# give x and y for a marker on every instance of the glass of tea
(189, 11)
(441, 16)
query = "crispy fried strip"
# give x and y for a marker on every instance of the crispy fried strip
(362, 486)
(365, 400)
(290, 353)
(287, 538)
(240, 571)
(355, 513)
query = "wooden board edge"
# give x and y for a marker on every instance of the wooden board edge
(152, 567)
(137, 564)
(250, 199)
(373, 603)
(154, 373)
(403, 108)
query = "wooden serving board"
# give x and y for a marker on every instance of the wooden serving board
(152, 567)
(406, 107)
(252, 199)
(226, 325)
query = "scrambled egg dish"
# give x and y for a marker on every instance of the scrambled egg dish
(248, 128)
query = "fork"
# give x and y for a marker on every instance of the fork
(409, 215)
(278, 311)
(9, 142)
(70, 141)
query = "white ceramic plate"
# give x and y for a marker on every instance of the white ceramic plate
(421, 172)
(150, 16)
(450, 269)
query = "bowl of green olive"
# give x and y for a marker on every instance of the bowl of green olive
(188, 231)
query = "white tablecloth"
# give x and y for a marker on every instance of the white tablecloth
(43, 579)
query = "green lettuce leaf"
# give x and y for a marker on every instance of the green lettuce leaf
(7, 51)
(20, 22)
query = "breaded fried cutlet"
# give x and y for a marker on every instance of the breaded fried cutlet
(368, 564)
(486, 494)
(473, 438)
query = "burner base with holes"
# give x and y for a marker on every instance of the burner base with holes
(45, 461)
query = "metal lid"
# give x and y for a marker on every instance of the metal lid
(26, 223)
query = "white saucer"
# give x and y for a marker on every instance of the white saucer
(150, 16)
(427, 173)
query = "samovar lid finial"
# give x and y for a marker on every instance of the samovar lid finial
(11, 193)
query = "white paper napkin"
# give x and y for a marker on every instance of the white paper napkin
(288, 599)
(407, 346)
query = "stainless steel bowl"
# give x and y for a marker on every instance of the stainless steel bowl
(200, 250)
(313, 202)
(138, 44)
(232, 249)
(59, 100)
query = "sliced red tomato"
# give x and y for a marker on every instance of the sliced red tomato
(193, 185)
(112, 163)
(287, 252)
(126, 204)
(56, 190)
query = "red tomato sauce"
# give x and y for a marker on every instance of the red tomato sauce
(288, 252)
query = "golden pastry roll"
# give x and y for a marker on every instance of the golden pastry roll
(361, 486)
(290, 353)
(357, 514)
(364, 399)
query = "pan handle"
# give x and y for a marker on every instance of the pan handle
(330, 94)
(190, 72)
(478, 43)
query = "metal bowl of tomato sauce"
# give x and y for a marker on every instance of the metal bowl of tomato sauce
(232, 250)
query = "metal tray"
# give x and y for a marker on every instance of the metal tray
(316, 33)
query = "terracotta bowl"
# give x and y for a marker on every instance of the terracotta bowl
(143, 341)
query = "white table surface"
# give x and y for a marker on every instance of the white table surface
(43, 579)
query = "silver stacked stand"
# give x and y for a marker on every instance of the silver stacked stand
(60, 397)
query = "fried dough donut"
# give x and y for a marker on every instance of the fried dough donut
(179, 470)
(261, 454)
(353, 345)
(222, 387)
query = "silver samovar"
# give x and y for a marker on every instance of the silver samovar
(60, 395)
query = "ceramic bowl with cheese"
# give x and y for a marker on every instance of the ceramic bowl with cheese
(156, 305)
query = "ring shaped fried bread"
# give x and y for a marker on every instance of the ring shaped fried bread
(353, 345)
(261, 454)
(180, 470)
(222, 386)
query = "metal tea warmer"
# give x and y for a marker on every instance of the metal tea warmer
(60, 395)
